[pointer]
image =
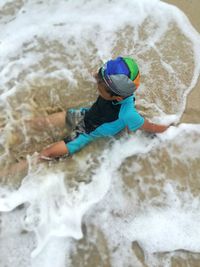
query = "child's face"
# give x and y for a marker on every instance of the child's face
(103, 91)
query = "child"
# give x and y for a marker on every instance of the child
(113, 111)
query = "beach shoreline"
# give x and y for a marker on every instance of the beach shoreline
(192, 109)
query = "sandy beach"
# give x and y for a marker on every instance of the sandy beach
(191, 9)
(133, 200)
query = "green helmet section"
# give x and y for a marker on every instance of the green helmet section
(133, 67)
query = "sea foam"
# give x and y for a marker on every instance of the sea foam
(47, 43)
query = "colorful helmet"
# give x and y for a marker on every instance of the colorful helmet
(121, 75)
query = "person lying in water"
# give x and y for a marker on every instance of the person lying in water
(113, 111)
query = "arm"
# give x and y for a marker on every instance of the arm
(153, 128)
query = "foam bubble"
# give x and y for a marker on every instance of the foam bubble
(166, 229)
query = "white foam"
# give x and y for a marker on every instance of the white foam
(152, 227)
(4, 2)
(80, 20)
(180, 130)
(172, 228)
(54, 212)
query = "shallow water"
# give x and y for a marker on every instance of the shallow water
(128, 201)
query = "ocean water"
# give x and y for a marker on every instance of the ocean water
(128, 201)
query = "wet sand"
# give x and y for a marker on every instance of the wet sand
(192, 111)
(191, 115)
(191, 9)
